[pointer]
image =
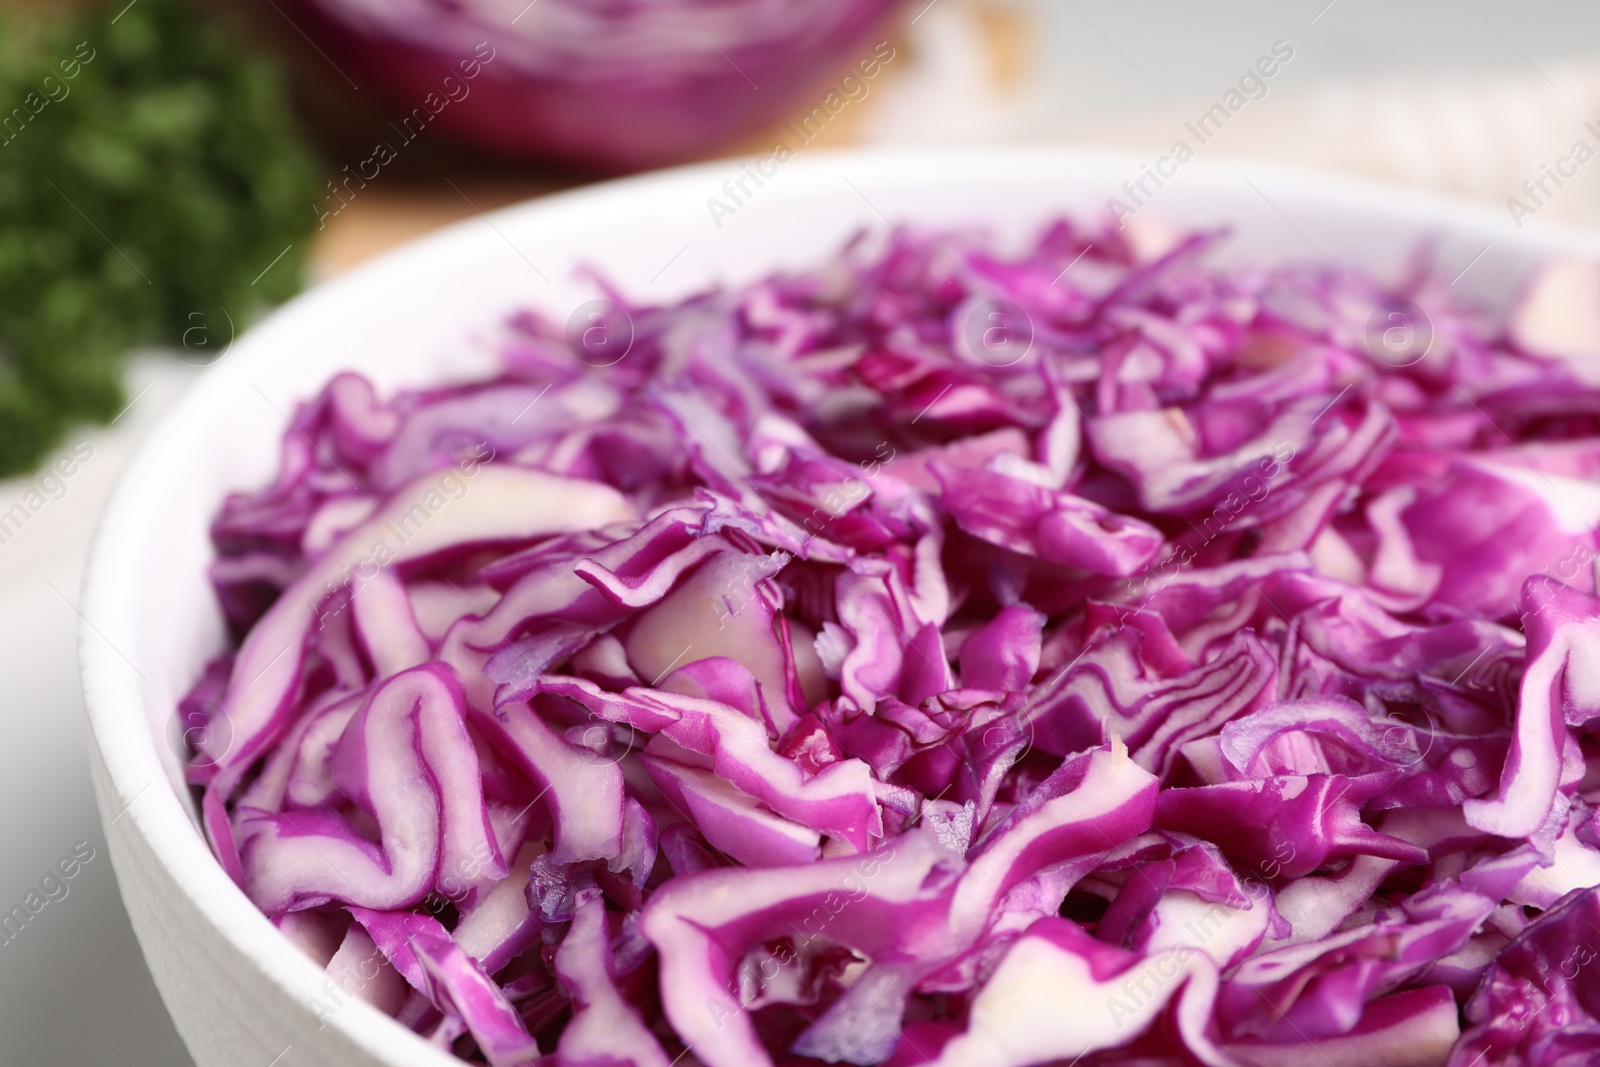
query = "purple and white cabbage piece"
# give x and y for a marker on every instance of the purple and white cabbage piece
(1190, 684)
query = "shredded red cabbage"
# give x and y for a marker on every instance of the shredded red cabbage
(942, 657)
(618, 85)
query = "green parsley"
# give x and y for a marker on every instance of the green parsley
(151, 179)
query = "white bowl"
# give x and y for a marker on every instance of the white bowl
(240, 993)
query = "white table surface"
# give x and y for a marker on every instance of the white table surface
(73, 986)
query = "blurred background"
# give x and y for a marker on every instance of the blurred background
(170, 169)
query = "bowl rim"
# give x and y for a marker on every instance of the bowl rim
(126, 749)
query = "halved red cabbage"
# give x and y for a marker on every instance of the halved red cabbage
(815, 684)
